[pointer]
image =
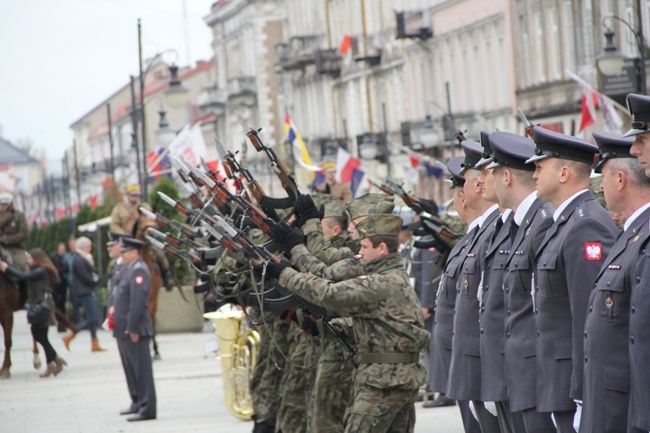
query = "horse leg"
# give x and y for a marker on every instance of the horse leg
(37, 359)
(7, 321)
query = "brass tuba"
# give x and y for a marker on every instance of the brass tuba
(238, 349)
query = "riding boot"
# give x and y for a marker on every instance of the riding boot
(96, 347)
(51, 369)
(60, 362)
(168, 279)
(68, 338)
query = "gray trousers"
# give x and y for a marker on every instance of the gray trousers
(138, 370)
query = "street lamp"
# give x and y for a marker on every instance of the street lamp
(165, 134)
(176, 95)
(611, 62)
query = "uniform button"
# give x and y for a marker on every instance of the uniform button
(453, 333)
(633, 309)
(535, 311)
(435, 323)
(508, 335)
(454, 311)
(508, 312)
(591, 308)
(516, 265)
(585, 334)
(544, 263)
(482, 309)
(632, 339)
(507, 290)
(586, 359)
(608, 283)
(638, 279)
(537, 332)
(482, 330)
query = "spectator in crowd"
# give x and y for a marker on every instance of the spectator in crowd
(60, 288)
(332, 186)
(68, 258)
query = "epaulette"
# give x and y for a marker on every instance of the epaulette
(139, 265)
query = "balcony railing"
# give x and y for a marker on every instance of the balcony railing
(241, 85)
(212, 97)
(298, 52)
(328, 62)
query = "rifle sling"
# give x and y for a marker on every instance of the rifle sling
(387, 358)
(277, 203)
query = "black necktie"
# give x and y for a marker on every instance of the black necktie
(514, 228)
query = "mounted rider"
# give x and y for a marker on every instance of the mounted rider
(13, 231)
(123, 219)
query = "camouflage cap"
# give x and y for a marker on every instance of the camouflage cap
(334, 208)
(320, 198)
(379, 225)
(369, 204)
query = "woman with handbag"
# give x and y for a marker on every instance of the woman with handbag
(39, 279)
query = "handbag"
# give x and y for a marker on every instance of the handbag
(39, 313)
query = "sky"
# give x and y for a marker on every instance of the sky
(60, 59)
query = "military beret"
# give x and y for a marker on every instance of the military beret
(6, 197)
(488, 153)
(611, 146)
(639, 107)
(369, 204)
(473, 153)
(379, 225)
(129, 243)
(552, 144)
(454, 165)
(511, 150)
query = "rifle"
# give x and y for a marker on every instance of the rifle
(222, 195)
(189, 257)
(187, 231)
(235, 171)
(529, 126)
(175, 241)
(392, 188)
(287, 180)
(238, 236)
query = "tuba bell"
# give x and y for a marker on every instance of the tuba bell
(238, 349)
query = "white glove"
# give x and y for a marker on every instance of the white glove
(553, 419)
(473, 410)
(578, 415)
(491, 407)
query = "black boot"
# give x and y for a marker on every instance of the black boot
(168, 279)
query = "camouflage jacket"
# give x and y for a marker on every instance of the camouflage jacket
(386, 316)
(327, 251)
(13, 229)
(339, 271)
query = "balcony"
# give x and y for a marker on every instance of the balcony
(213, 99)
(328, 62)
(242, 91)
(298, 53)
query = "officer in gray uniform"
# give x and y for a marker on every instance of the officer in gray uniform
(515, 189)
(465, 368)
(490, 296)
(133, 329)
(443, 316)
(639, 340)
(566, 266)
(607, 364)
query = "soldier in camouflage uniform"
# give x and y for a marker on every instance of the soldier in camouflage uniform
(388, 326)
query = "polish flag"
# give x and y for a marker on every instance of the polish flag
(345, 165)
(588, 112)
(346, 42)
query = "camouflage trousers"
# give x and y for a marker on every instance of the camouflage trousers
(296, 387)
(377, 410)
(332, 393)
(265, 381)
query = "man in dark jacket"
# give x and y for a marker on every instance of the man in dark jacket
(133, 330)
(60, 289)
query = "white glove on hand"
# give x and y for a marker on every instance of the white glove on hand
(578, 415)
(473, 410)
(491, 407)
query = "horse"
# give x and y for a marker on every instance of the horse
(142, 224)
(10, 301)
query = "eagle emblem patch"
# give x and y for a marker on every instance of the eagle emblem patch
(139, 279)
(593, 251)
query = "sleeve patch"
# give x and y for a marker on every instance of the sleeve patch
(362, 277)
(139, 279)
(593, 251)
